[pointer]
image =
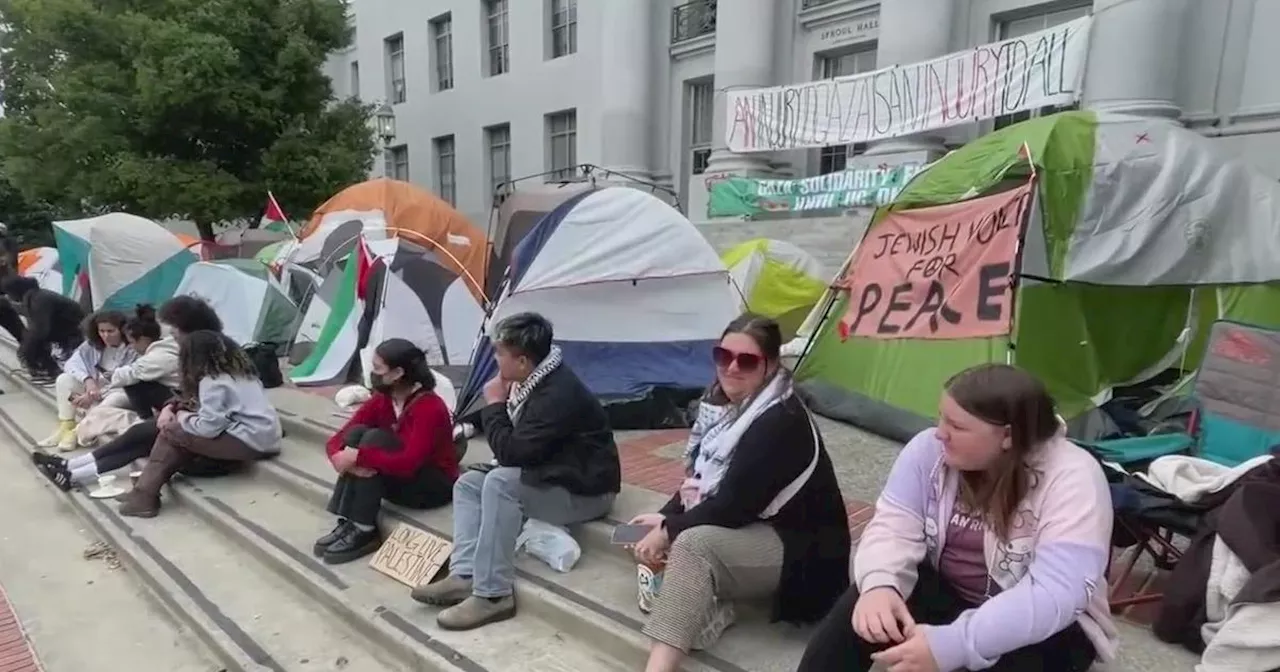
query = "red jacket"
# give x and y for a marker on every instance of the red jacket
(425, 430)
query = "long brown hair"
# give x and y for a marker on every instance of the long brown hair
(768, 337)
(1004, 396)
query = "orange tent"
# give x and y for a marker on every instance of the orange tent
(419, 217)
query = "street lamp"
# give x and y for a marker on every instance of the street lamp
(386, 120)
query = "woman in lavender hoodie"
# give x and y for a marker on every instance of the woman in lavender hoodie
(988, 547)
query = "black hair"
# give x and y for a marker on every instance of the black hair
(206, 353)
(399, 353)
(189, 314)
(143, 324)
(89, 325)
(528, 334)
(16, 287)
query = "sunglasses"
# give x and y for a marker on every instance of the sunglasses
(747, 361)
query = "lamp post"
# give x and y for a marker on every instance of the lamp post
(386, 120)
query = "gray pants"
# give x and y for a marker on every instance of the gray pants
(489, 510)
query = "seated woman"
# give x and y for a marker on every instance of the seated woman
(988, 548)
(760, 515)
(224, 415)
(152, 380)
(397, 446)
(145, 386)
(183, 315)
(87, 372)
(556, 462)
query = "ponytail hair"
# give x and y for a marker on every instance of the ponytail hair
(143, 323)
(399, 353)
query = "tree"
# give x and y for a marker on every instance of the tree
(29, 224)
(177, 108)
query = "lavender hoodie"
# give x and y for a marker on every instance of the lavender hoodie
(1051, 571)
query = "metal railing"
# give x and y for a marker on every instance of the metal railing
(693, 19)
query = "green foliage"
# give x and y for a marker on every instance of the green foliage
(177, 108)
(30, 223)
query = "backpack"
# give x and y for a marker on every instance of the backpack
(265, 361)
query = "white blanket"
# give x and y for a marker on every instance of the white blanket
(1238, 637)
(1190, 478)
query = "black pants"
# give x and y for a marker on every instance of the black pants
(147, 397)
(132, 444)
(359, 499)
(835, 646)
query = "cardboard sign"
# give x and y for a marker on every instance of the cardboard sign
(411, 556)
(938, 273)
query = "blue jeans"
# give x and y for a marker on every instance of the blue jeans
(489, 511)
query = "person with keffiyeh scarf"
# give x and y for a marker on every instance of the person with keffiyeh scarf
(556, 461)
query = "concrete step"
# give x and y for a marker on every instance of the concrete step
(593, 607)
(233, 596)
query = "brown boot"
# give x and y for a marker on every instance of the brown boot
(138, 504)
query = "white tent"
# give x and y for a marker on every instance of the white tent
(637, 297)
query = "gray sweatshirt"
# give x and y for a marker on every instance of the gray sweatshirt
(239, 407)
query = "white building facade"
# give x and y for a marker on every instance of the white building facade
(490, 90)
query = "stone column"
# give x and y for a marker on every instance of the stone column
(744, 60)
(912, 31)
(1133, 57)
(627, 85)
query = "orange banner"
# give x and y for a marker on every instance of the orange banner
(944, 272)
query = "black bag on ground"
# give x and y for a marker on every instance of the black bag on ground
(263, 356)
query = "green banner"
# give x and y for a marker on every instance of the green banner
(860, 187)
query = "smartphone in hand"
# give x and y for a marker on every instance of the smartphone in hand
(629, 535)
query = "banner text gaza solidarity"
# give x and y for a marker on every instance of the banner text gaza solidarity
(938, 273)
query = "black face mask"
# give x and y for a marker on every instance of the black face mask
(380, 384)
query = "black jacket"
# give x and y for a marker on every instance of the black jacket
(813, 525)
(53, 318)
(563, 437)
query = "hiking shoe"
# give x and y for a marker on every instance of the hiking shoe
(475, 612)
(354, 544)
(323, 543)
(446, 592)
(136, 504)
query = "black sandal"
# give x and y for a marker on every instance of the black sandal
(60, 477)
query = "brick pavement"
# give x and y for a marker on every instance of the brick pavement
(16, 654)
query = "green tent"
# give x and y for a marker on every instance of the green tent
(254, 307)
(777, 279)
(1141, 234)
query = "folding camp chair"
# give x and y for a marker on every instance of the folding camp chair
(1236, 395)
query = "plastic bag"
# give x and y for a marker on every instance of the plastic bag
(549, 543)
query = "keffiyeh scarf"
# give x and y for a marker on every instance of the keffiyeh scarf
(521, 391)
(718, 429)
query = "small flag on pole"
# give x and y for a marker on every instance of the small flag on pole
(273, 217)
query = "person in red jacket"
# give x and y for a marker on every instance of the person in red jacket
(398, 446)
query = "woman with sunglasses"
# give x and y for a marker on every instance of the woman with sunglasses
(760, 513)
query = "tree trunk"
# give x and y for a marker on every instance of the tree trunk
(206, 231)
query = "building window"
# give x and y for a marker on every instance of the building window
(562, 145)
(498, 139)
(355, 79)
(442, 41)
(1007, 30)
(499, 53)
(446, 184)
(701, 113)
(839, 64)
(398, 163)
(564, 27)
(396, 92)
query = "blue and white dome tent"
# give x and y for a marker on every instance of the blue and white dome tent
(637, 296)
